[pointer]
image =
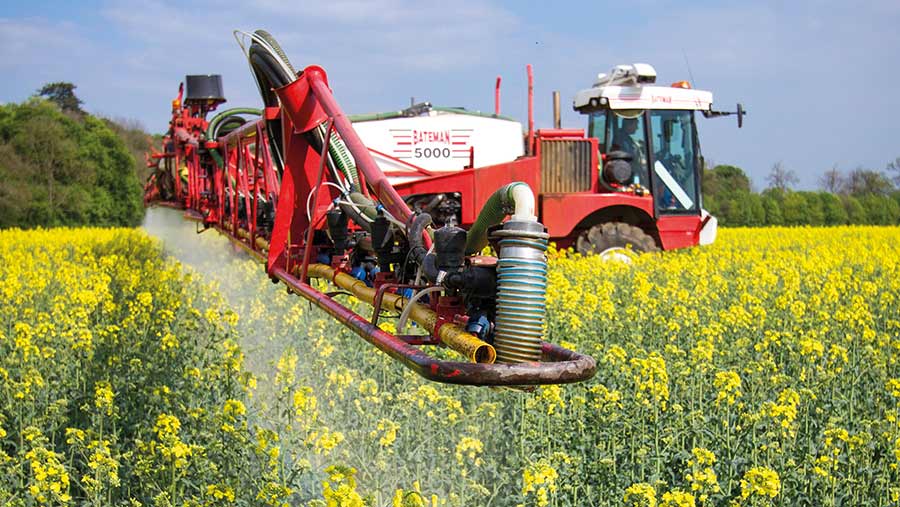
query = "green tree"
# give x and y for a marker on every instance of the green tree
(136, 139)
(815, 215)
(54, 169)
(725, 194)
(725, 179)
(757, 210)
(795, 209)
(833, 209)
(64, 170)
(63, 95)
(15, 195)
(711, 204)
(880, 209)
(856, 214)
(772, 207)
(893, 168)
(832, 181)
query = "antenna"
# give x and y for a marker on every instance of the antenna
(688, 63)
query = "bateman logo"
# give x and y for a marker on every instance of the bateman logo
(431, 136)
(421, 144)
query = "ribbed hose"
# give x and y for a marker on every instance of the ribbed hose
(497, 207)
(521, 291)
(342, 158)
(266, 36)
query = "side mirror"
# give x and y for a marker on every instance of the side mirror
(741, 112)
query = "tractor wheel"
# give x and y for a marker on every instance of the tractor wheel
(613, 239)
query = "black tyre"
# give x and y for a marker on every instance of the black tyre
(613, 238)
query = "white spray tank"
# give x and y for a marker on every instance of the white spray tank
(438, 140)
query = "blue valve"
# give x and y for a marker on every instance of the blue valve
(479, 325)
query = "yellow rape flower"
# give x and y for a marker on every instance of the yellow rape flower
(761, 482)
(640, 494)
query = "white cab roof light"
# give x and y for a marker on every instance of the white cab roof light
(631, 74)
(632, 86)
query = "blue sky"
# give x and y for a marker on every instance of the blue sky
(820, 79)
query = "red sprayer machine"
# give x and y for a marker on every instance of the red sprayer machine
(295, 186)
(633, 182)
(397, 208)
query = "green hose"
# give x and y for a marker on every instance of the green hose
(217, 119)
(366, 205)
(342, 158)
(498, 205)
(356, 118)
(220, 162)
(459, 110)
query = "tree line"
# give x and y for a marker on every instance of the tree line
(858, 197)
(60, 166)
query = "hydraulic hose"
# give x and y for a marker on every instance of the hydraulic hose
(220, 121)
(356, 216)
(417, 248)
(407, 309)
(366, 205)
(265, 63)
(268, 76)
(514, 198)
(228, 125)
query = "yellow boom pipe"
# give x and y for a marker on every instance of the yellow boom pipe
(450, 335)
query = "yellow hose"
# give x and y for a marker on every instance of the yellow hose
(261, 243)
(450, 335)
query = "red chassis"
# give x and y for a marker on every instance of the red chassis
(565, 214)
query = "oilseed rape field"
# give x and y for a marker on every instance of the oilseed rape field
(762, 370)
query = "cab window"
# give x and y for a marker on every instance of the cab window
(627, 132)
(597, 128)
(676, 185)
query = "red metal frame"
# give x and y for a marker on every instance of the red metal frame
(497, 97)
(227, 196)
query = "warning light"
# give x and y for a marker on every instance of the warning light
(682, 84)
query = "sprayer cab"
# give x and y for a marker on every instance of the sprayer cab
(647, 138)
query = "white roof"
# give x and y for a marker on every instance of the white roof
(644, 97)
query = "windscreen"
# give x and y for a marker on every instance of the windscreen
(675, 178)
